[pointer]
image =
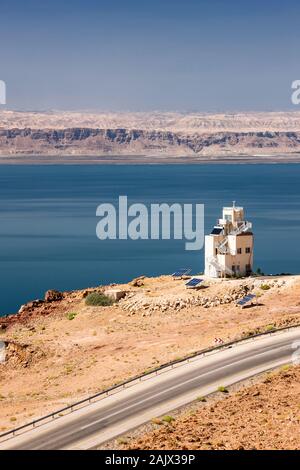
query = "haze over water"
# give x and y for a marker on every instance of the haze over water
(48, 221)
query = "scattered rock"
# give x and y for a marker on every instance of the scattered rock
(53, 295)
(137, 282)
(31, 305)
(19, 354)
(115, 294)
(135, 302)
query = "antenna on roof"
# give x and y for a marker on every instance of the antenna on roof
(233, 203)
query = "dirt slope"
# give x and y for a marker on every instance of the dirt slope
(265, 415)
(54, 358)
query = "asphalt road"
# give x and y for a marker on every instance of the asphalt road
(116, 414)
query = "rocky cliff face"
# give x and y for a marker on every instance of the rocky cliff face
(122, 141)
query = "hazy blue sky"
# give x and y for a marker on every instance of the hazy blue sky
(209, 55)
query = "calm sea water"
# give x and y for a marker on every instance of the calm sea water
(48, 221)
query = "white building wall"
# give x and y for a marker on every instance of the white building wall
(241, 261)
(210, 247)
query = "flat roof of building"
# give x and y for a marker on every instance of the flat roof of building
(233, 207)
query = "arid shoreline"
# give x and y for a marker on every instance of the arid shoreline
(147, 160)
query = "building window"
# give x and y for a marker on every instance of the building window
(233, 268)
(248, 249)
(239, 251)
(248, 268)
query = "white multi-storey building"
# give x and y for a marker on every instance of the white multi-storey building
(229, 247)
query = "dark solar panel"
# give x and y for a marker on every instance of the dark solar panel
(216, 231)
(194, 282)
(246, 299)
(181, 272)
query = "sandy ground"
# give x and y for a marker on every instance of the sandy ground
(52, 361)
(261, 416)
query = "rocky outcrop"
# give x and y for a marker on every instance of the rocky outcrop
(115, 294)
(20, 354)
(30, 306)
(53, 295)
(91, 141)
(137, 282)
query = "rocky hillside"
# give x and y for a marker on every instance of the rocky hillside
(150, 134)
(61, 348)
(261, 416)
(90, 141)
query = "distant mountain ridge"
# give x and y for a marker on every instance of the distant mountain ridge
(63, 133)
